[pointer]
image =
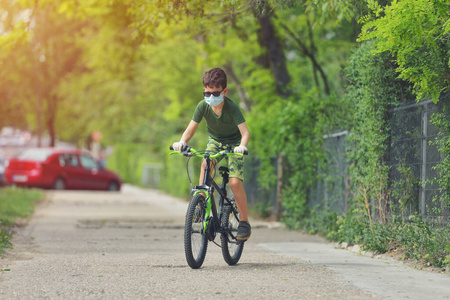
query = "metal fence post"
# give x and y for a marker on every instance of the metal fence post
(423, 174)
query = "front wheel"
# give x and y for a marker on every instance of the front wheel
(195, 240)
(231, 248)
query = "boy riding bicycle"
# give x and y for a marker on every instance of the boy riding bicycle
(226, 126)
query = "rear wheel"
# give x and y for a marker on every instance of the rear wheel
(59, 184)
(231, 248)
(195, 240)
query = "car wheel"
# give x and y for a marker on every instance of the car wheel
(59, 184)
(113, 186)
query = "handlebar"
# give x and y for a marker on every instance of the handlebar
(188, 151)
(183, 148)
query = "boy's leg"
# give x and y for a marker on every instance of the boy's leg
(240, 197)
(212, 147)
(236, 168)
(202, 170)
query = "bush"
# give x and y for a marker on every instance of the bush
(319, 221)
(262, 209)
(428, 242)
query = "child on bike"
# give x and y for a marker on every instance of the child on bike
(226, 126)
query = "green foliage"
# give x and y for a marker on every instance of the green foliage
(375, 85)
(442, 122)
(373, 89)
(406, 191)
(14, 203)
(175, 179)
(319, 220)
(337, 10)
(416, 239)
(294, 128)
(4, 239)
(416, 33)
(128, 161)
(262, 209)
(349, 228)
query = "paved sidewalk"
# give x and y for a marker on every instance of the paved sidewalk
(387, 278)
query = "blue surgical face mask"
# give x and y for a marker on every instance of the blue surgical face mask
(214, 101)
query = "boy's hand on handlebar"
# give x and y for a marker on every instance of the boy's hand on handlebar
(240, 149)
(177, 146)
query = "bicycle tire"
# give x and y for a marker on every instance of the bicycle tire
(195, 240)
(231, 248)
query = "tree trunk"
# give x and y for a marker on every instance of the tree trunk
(52, 104)
(51, 131)
(276, 61)
(244, 100)
(275, 53)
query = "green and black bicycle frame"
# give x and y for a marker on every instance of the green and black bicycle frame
(211, 224)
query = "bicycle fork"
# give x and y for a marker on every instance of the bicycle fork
(210, 214)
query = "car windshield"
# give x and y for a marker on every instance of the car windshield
(35, 154)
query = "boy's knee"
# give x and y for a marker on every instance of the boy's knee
(235, 183)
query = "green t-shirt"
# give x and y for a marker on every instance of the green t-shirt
(223, 128)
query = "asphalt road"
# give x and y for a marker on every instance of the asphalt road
(129, 245)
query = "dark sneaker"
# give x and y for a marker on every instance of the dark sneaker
(244, 231)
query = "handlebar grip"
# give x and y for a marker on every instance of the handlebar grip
(245, 152)
(183, 149)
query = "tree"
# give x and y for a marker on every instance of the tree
(37, 62)
(58, 51)
(14, 55)
(416, 33)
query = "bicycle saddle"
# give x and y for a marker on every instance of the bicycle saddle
(223, 169)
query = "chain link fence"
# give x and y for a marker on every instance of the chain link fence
(332, 188)
(412, 158)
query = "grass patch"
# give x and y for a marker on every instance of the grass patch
(15, 203)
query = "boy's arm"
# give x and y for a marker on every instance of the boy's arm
(186, 137)
(245, 138)
(189, 132)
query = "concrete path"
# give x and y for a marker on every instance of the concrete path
(129, 245)
(388, 278)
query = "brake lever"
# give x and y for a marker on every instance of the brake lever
(185, 150)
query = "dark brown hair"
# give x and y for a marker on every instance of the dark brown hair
(215, 77)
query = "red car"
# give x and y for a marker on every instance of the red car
(60, 169)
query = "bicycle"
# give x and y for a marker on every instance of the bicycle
(203, 220)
